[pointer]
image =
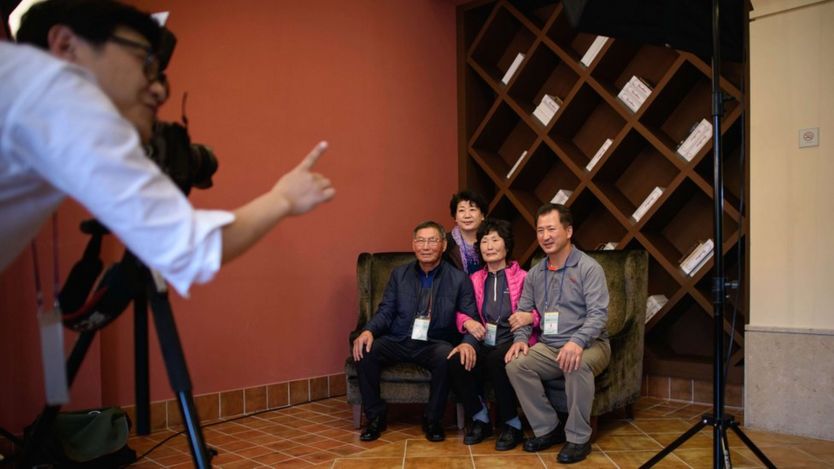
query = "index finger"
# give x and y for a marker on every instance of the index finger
(311, 158)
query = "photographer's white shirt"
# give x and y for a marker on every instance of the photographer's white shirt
(60, 135)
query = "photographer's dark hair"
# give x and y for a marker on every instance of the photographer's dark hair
(565, 216)
(93, 20)
(503, 228)
(431, 224)
(467, 196)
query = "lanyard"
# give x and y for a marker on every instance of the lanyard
(419, 295)
(37, 273)
(547, 288)
(495, 293)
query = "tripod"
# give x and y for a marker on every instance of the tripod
(719, 421)
(150, 289)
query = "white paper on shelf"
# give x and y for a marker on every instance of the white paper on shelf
(640, 87)
(552, 103)
(609, 246)
(593, 50)
(634, 93)
(696, 258)
(653, 304)
(547, 108)
(696, 140)
(701, 263)
(517, 162)
(629, 99)
(513, 67)
(543, 115)
(561, 197)
(598, 155)
(647, 203)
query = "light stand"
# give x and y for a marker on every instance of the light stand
(719, 421)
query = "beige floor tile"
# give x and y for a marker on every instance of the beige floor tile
(703, 457)
(453, 462)
(699, 440)
(319, 457)
(634, 459)
(520, 461)
(346, 450)
(617, 427)
(424, 448)
(786, 456)
(663, 425)
(376, 463)
(822, 449)
(390, 450)
(627, 443)
(596, 460)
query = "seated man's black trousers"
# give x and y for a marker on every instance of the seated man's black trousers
(385, 351)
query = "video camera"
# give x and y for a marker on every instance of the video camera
(187, 164)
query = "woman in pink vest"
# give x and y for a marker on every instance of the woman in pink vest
(485, 343)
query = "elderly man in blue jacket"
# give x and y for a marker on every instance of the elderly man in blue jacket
(415, 323)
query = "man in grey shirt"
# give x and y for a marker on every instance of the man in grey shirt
(569, 291)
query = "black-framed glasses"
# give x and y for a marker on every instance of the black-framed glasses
(151, 66)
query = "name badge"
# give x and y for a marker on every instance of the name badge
(491, 334)
(52, 355)
(551, 323)
(421, 329)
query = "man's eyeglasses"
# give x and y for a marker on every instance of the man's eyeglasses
(432, 242)
(151, 66)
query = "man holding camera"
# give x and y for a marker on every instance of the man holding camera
(73, 117)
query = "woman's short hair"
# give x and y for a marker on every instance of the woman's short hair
(502, 227)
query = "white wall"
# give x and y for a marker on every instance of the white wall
(792, 189)
(789, 342)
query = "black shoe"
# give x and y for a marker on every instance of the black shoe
(434, 431)
(477, 432)
(375, 427)
(508, 438)
(541, 443)
(574, 452)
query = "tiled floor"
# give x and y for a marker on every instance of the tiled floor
(320, 433)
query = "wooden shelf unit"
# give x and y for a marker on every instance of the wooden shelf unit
(497, 125)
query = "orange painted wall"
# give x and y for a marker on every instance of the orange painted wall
(267, 80)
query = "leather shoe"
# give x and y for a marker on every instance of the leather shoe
(374, 429)
(508, 438)
(477, 432)
(541, 443)
(434, 431)
(574, 452)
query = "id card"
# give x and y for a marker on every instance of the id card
(421, 329)
(491, 334)
(551, 323)
(52, 355)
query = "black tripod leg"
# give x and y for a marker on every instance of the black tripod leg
(169, 342)
(140, 362)
(725, 448)
(44, 422)
(752, 446)
(674, 445)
